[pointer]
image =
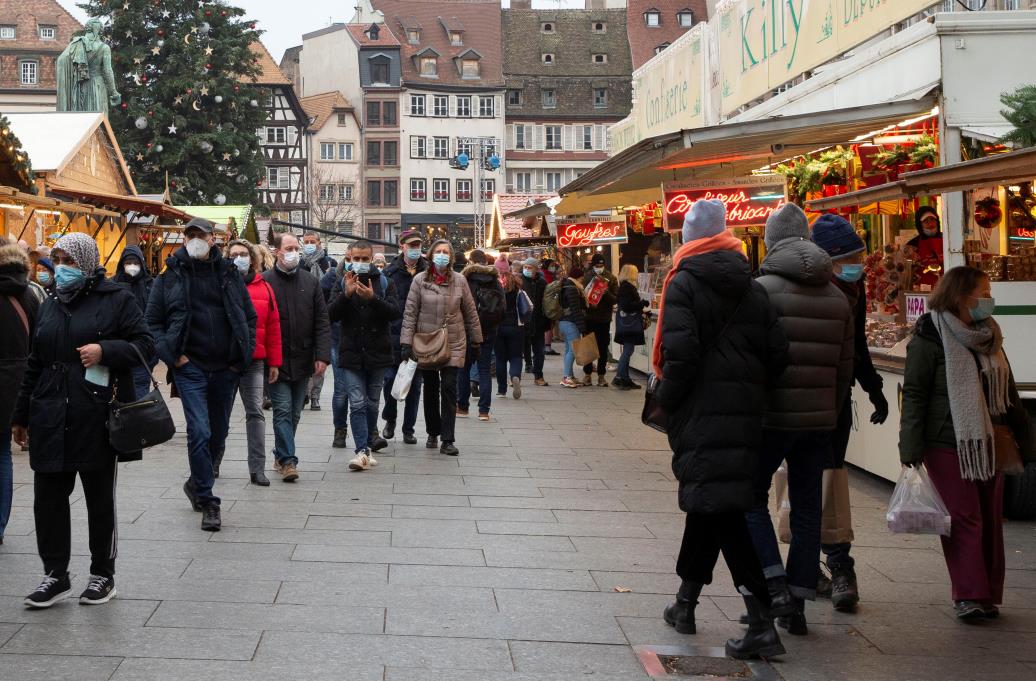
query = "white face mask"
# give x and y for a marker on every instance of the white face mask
(242, 263)
(291, 259)
(197, 248)
(132, 270)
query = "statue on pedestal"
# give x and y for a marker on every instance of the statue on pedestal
(84, 73)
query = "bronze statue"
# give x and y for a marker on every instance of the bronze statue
(84, 73)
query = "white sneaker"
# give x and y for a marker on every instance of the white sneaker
(360, 462)
(371, 460)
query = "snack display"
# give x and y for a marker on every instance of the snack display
(888, 273)
(884, 334)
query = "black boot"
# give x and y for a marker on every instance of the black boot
(389, 431)
(761, 639)
(795, 623)
(341, 439)
(433, 442)
(844, 592)
(680, 614)
(781, 601)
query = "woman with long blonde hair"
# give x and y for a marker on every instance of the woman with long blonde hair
(629, 325)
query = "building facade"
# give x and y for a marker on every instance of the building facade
(333, 140)
(654, 24)
(32, 35)
(453, 91)
(285, 188)
(568, 77)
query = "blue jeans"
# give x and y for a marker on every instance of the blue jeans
(570, 332)
(6, 480)
(805, 452)
(413, 400)
(340, 400)
(480, 367)
(623, 370)
(287, 398)
(208, 398)
(364, 386)
(509, 343)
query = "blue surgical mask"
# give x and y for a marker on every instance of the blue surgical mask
(309, 249)
(441, 260)
(347, 266)
(851, 273)
(67, 276)
(528, 273)
(43, 277)
(413, 254)
(361, 267)
(983, 309)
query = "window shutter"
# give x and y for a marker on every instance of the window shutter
(262, 135)
(566, 137)
(537, 143)
(539, 180)
(510, 136)
(600, 137)
(414, 149)
(293, 133)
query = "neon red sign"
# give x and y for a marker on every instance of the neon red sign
(745, 205)
(1025, 233)
(580, 234)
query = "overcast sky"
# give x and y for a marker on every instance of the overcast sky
(285, 22)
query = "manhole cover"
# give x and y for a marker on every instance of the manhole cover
(683, 665)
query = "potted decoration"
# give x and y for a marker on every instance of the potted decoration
(925, 153)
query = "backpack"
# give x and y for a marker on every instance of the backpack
(490, 304)
(552, 300)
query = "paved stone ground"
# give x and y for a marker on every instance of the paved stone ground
(499, 565)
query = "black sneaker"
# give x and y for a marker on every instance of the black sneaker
(314, 404)
(968, 610)
(389, 431)
(433, 442)
(189, 491)
(474, 389)
(378, 444)
(50, 591)
(409, 439)
(845, 594)
(341, 439)
(99, 590)
(210, 520)
(448, 449)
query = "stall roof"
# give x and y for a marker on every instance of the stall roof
(1015, 166)
(534, 210)
(733, 150)
(124, 203)
(13, 195)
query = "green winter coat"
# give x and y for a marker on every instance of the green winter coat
(926, 421)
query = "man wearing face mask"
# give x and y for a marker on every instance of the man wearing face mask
(317, 262)
(379, 262)
(365, 308)
(133, 274)
(401, 272)
(599, 315)
(534, 286)
(305, 346)
(837, 238)
(203, 322)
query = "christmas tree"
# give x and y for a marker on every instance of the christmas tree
(1020, 112)
(189, 111)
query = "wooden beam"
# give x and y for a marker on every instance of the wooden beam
(122, 235)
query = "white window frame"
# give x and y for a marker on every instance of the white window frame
(654, 13)
(552, 140)
(685, 18)
(586, 143)
(29, 72)
(417, 107)
(549, 98)
(418, 188)
(463, 106)
(345, 151)
(440, 147)
(470, 69)
(426, 61)
(518, 98)
(328, 192)
(456, 38)
(276, 134)
(282, 180)
(48, 32)
(346, 192)
(601, 103)
(8, 32)
(599, 58)
(552, 175)
(440, 106)
(486, 106)
(522, 140)
(343, 119)
(441, 186)
(327, 151)
(520, 186)
(488, 189)
(418, 146)
(463, 189)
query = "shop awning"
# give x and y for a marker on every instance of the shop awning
(123, 203)
(735, 149)
(1015, 166)
(12, 196)
(535, 210)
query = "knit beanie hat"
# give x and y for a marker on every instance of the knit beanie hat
(502, 266)
(82, 249)
(46, 263)
(707, 217)
(836, 236)
(787, 223)
(530, 262)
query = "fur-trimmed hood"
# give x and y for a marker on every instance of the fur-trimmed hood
(473, 269)
(12, 255)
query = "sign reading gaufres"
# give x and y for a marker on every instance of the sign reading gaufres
(749, 200)
(582, 234)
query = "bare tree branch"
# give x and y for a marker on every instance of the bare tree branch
(330, 209)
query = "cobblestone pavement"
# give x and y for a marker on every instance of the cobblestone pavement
(504, 564)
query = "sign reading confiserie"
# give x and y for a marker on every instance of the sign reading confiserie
(581, 234)
(749, 200)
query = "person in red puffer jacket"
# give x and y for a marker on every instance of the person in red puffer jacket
(267, 356)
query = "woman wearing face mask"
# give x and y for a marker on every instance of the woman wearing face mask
(439, 296)
(89, 336)
(266, 358)
(510, 337)
(44, 274)
(133, 274)
(958, 390)
(928, 246)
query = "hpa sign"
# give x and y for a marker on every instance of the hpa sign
(749, 200)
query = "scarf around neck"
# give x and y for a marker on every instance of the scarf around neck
(977, 379)
(724, 241)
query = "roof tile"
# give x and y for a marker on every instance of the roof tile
(320, 107)
(644, 39)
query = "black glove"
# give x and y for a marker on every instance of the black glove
(473, 352)
(405, 352)
(881, 406)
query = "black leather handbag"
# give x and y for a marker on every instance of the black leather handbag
(653, 416)
(143, 423)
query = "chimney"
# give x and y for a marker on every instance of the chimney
(521, 4)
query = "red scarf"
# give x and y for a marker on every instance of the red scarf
(724, 241)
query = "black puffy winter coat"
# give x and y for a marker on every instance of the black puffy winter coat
(399, 275)
(364, 335)
(15, 341)
(630, 302)
(65, 413)
(715, 377)
(140, 285)
(534, 288)
(484, 283)
(170, 304)
(305, 327)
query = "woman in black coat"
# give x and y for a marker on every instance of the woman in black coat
(721, 343)
(89, 336)
(629, 325)
(573, 321)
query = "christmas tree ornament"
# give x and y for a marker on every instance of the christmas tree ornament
(204, 28)
(159, 148)
(218, 99)
(220, 199)
(253, 103)
(205, 146)
(226, 156)
(172, 129)
(242, 178)
(141, 123)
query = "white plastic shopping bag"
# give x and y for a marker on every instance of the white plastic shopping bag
(916, 507)
(404, 377)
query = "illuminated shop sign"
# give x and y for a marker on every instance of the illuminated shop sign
(749, 200)
(580, 234)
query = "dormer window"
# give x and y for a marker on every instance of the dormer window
(7, 33)
(548, 58)
(661, 47)
(456, 38)
(600, 59)
(373, 32)
(342, 119)
(547, 27)
(600, 27)
(653, 18)
(413, 36)
(379, 70)
(685, 18)
(469, 68)
(48, 32)
(429, 67)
